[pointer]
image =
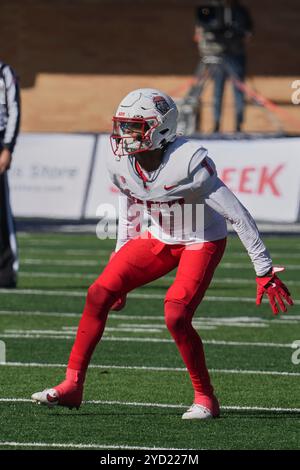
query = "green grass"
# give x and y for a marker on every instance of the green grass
(39, 327)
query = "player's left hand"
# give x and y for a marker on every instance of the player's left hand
(5, 160)
(275, 289)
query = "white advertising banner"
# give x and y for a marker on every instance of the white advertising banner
(49, 175)
(102, 191)
(264, 174)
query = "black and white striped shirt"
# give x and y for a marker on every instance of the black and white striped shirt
(9, 107)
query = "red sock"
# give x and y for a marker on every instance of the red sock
(193, 355)
(91, 326)
(190, 347)
(74, 381)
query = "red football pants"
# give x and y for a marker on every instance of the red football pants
(143, 260)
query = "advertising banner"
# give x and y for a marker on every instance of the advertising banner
(62, 176)
(101, 191)
(264, 174)
(49, 175)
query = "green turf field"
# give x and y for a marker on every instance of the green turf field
(137, 388)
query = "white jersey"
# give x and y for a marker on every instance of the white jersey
(185, 201)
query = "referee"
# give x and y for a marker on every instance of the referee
(9, 129)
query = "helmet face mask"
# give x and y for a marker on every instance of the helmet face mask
(132, 135)
(146, 119)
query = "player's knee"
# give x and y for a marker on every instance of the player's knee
(176, 316)
(181, 292)
(177, 307)
(99, 299)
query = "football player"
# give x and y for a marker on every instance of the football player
(156, 170)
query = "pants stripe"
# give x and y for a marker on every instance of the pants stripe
(8, 241)
(11, 227)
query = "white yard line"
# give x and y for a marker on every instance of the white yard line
(66, 251)
(228, 265)
(206, 298)
(274, 254)
(72, 331)
(162, 405)
(154, 369)
(15, 400)
(59, 275)
(43, 292)
(99, 253)
(247, 343)
(81, 446)
(52, 262)
(36, 336)
(215, 321)
(64, 293)
(58, 334)
(56, 262)
(225, 280)
(40, 314)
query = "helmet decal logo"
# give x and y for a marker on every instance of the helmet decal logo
(161, 104)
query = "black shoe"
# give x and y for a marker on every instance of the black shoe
(8, 283)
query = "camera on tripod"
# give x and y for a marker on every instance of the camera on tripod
(219, 31)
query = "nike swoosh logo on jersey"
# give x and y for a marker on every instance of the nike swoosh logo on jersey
(167, 188)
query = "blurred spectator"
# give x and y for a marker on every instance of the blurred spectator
(9, 129)
(222, 29)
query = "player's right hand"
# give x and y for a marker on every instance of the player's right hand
(120, 303)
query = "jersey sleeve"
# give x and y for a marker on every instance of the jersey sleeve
(202, 172)
(223, 201)
(130, 220)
